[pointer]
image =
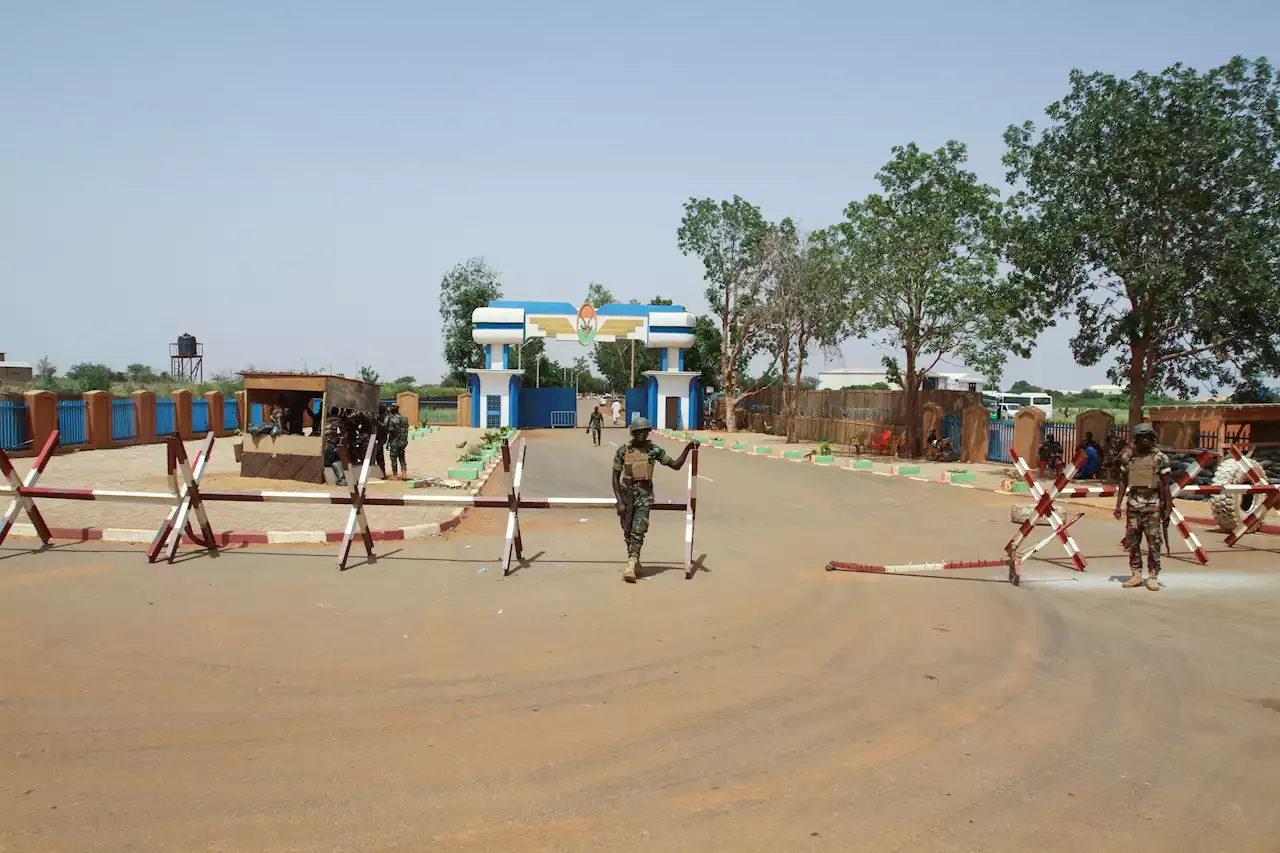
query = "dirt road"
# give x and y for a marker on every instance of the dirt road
(263, 701)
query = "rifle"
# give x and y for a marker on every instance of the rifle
(1165, 517)
(628, 510)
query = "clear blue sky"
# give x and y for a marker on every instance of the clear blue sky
(166, 165)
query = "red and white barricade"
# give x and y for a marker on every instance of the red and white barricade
(1044, 508)
(1253, 517)
(186, 496)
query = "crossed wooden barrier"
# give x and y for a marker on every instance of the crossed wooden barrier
(186, 496)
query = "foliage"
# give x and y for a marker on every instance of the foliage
(368, 374)
(45, 370)
(809, 383)
(1152, 206)
(704, 355)
(463, 289)
(874, 386)
(88, 376)
(824, 448)
(921, 260)
(727, 237)
(139, 373)
(1023, 387)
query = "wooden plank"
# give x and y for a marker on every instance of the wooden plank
(300, 382)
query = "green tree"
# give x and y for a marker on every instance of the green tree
(921, 261)
(1152, 205)
(727, 237)
(704, 355)
(368, 374)
(139, 373)
(88, 376)
(463, 289)
(1023, 387)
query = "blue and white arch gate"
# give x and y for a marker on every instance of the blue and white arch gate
(672, 394)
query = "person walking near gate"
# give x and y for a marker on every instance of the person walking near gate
(594, 425)
(633, 466)
(616, 409)
(333, 437)
(1146, 472)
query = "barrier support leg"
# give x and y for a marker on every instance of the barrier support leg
(190, 496)
(356, 517)
(514, 543)
(691, 515)
(22, 503)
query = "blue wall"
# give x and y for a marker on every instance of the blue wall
(695, 403)
(513, 410)
(473, 385)
(537, 404)
(651, 394)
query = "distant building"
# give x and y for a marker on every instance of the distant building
(1105, 389)
(842, 377)
(15, 372)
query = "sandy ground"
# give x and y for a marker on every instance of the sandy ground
(261, 700)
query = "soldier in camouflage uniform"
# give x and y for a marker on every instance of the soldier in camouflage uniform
(397, 440)
(360, 429)
(594, 425)
(332, 441)
(633, 488)
(1146, 473)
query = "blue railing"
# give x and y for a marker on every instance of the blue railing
(166, 423)
(71, 423)
(999, 440)
(199, 417)
(230, 415)
(13, 425)
(122, 420)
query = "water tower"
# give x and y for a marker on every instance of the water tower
(186, 359)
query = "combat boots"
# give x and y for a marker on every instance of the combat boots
(1135, 581)
(1152, 583)
(633, 564)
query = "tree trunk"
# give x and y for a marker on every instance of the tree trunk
(795, 396)
(726, 375)
(1137, 379)
(911, 387)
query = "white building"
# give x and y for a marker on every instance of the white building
(1105, 389)
(842, 377)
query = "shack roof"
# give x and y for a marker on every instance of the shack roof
(1250, 413)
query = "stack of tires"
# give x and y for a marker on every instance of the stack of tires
(1229, 509)
(1180, 462)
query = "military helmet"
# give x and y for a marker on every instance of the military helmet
(640, 424)
(1144, 429)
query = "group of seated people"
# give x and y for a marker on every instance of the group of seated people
(287, 416)
(1098, 460)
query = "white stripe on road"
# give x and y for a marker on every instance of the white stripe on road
(708, 479)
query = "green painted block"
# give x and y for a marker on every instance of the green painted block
(962, 477)
(908, 469)
(717, 442)
(864, 464)
(764, 450)
(1020, 487)
(463, 474)
(474, 466)
(792, 454)
(823, 460)
(738, 446)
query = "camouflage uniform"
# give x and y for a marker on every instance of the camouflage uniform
(1143, 516)
(358, 437)
(332, 439)
(594, 425)
(637, 493)
(397, 440)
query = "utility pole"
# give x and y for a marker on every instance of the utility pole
(537, 374)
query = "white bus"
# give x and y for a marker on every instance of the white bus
(1005, 405)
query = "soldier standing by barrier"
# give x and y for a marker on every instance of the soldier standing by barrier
(359, 433)
(332, 440)
(633, 488)
(1146, 472)
(594, 426)
(397, 440)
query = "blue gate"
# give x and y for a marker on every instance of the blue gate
(999, 440)
(952, 428)
(546, 407)
(637, 403)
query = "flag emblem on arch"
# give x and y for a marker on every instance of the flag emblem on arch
(587, 324)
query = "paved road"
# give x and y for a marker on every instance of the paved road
(263, 700)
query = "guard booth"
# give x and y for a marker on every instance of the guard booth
(298, 454)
